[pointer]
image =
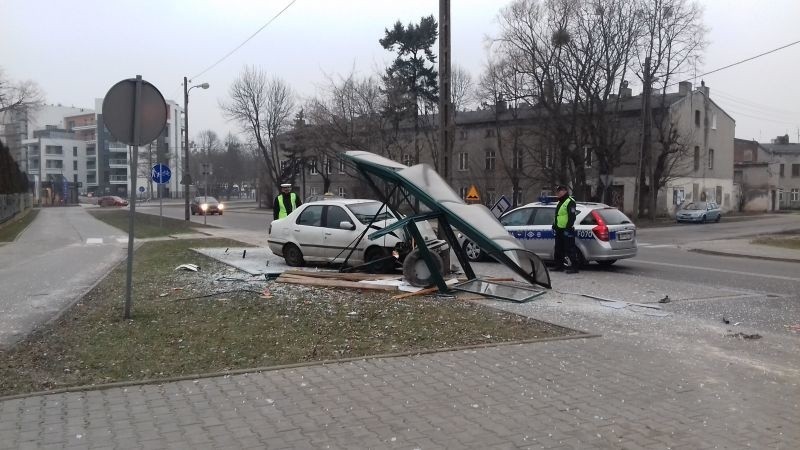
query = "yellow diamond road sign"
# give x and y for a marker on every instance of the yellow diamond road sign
(472, 194)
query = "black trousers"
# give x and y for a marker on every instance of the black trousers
(566, 253)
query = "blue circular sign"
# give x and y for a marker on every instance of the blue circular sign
(160, 173)
(141, 188)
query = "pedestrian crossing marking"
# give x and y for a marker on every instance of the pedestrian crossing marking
(94, 240)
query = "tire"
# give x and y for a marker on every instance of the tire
(293, 256)
(607, 262)
(220, 213)
(373, 253)
(719, 217)
(415, 270)
(703, 220)
(474, 253)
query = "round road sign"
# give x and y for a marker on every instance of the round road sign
(120, 110)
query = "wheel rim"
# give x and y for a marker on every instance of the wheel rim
(473, 251)
(293, 256)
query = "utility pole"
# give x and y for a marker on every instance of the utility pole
(644, 149)
(446, 112)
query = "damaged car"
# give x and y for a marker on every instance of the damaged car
(337, 231)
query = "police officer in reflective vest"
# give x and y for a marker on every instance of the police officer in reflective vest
(565, 254)
(286, 202)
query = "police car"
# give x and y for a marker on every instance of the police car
(603, 233)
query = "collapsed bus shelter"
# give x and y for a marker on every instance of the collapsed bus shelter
(430, 197)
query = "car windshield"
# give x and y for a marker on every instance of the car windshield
(365, 212)
(206, 200)
(695, 206)
(612, 216)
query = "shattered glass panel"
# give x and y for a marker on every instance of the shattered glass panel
(502, 291)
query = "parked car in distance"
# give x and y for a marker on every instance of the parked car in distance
(112, 200)
(603, 233)
(206, 205)
(700, 212)
(326, 231)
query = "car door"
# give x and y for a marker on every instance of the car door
(308, 233)
(534, 235)
(337, 240)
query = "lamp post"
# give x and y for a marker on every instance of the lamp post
(187, 179)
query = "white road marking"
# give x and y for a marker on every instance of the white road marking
(733, 272)
(122, 240)
(94, 240)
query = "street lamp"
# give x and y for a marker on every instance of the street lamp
(187, 178)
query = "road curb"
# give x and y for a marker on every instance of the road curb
(735, 255)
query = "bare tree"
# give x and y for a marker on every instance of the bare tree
(462, 89)
(262, 108)
(674, 35)
(18, 95)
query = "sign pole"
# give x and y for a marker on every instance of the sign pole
(160, 206)
(134, 163)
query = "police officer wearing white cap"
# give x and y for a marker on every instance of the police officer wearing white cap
(286, 202)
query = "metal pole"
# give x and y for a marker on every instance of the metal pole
(205, 213)
(133, 173)
(160, 206)
(186, 177)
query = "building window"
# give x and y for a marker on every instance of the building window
(74, 151)
(462, 134)
(748, 156)
(517, 161)
(516, 193)
(587, 157)
(341, 191)
(697, 117)
(341, 165)
(781, 170)
(284, 165)
(463, 161)
(795, 194)
(714, 121)
(326, 164)
(407, 160)
(314, 190)
(490, 160)
(490, 197)
(490, 132)
(53, 150)
(54, 164)
(780, 195)
(795, 170)
(696, 158)
(548, 158)
(463, 192)
(678, 195)
(312, 166)
(711, 158)
(74, 165)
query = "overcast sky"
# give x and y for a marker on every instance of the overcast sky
(76, 50)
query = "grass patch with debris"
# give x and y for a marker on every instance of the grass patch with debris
(11, 229)
(179, 329)
(790, 241)
(145, 225)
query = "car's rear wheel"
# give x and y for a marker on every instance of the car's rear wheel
(474, 253)
(293, 255)
(719, 217)
(416, 271)
(607, 262)
(376, 253)
(703, 220)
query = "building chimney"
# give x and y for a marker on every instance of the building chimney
(501, 104)
(704, 89)
(684, 88)
(624, 90)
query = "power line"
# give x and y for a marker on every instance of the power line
(751, 104)
(246, 40)
(743, 61)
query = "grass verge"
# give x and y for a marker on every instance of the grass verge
(790, 241)
(10, 230)
(145, 225)
(179, 329)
